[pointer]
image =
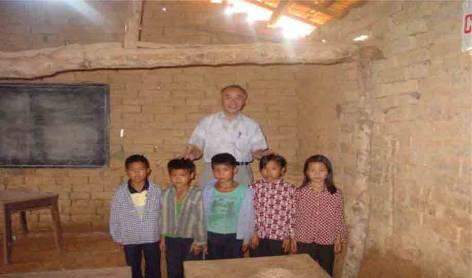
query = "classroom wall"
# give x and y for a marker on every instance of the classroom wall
(414, 98)
(396, 126)
(157, 109)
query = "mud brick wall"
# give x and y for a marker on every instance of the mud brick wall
(396, 125)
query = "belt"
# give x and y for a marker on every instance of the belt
(242, 163)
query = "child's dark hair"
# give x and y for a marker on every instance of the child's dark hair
(181, 163)
(329, 181)
(272, 157)
(223, 158)
(136, 158)
(234, 86)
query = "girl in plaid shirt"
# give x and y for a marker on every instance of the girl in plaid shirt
(274, 207)
(319, 222)
(134, 218)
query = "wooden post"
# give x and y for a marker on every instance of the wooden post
(7, 236)
(24, 223)
(360, 206)
(56, 224)
(133, 25)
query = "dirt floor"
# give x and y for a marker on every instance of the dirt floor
(83, 248)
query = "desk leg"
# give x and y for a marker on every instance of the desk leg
(7, 237)
(56, 222)
(24, 223)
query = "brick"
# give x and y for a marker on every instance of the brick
(418, 71)
(102, 195)
(401, 87)
(79, 196)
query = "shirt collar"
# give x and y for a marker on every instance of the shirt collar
(308, 188)
(279, 181)
(221, 115)
(132, 190)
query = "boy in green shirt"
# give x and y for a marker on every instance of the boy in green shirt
(228, 209)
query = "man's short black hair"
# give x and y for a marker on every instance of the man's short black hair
(223, 158)
(234, 86)
(181, 163)
(272, 157)
(136, 158)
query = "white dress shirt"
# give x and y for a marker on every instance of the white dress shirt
(215, 134)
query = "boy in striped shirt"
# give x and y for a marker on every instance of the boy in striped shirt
(183, 232)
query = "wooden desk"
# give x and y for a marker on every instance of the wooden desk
(292, 266)
(12, 201)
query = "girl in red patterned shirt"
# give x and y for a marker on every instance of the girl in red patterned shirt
(319, 223)
(274, 207)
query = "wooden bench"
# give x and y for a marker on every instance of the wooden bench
(12, 201)
(112, 272)
(291, 266)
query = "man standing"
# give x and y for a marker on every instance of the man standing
(231, 132)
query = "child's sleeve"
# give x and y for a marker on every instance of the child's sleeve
(339, 214)
(292, 212)
(255, 202)
(296, 201)
(114, 223)
(249, 215)
(200, 235)
(164, 227)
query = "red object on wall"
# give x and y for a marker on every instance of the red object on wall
(467, 23)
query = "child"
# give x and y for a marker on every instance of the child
(319, 224)
(183, 230)
(229, 211)
(134, 218)
(274, 206)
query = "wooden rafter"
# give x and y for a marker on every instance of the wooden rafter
(273, 9)
(317, 8)
(311, 11)
(281, 7)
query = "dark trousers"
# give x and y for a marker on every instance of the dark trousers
(268, 247)
(178, 251)
(152, 259)
(224, 246)
(323, 254)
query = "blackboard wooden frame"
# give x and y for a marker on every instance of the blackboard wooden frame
(102, 102)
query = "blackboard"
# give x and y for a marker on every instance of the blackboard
(54, 125)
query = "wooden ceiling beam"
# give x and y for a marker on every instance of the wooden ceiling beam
(38, 63)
